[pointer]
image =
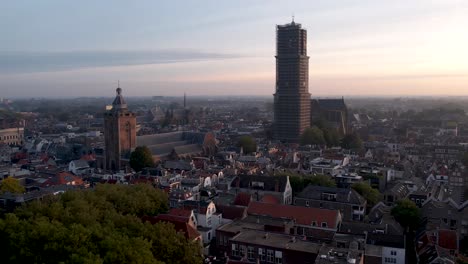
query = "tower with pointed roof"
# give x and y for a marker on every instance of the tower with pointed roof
(119, 133)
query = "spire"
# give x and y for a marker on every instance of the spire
(185, 100)
(119, 102)
(292, 18)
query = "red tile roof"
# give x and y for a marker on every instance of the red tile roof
(302, 215)
(63, 178)
(180, 225)
(231, 211)
(448, 239)
(270, 199)
(242, 199)
(88, 157)
(180, 212)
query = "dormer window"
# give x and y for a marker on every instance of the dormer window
(329, 196)
(314, 223)
(324, 224)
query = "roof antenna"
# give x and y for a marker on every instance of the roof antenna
(293, 18)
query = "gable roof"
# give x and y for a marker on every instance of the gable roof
(270, 183)
(343, 195)
(180, 212)
(330, 104)
(302, 215)
(231, 211)
(180, 225)
(243, 199)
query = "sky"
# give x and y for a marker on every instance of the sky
(64, 48)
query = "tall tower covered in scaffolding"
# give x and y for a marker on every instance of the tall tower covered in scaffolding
(292, 97)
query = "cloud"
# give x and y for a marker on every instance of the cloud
(29, 62)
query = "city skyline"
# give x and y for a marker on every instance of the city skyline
(356, 48)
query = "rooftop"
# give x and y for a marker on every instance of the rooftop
(274, 240)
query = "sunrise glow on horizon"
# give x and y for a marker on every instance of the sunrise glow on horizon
(356, 48)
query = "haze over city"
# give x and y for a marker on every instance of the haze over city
(356, 48)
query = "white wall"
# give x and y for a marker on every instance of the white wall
(399, 256)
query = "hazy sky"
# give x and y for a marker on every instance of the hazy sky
(367, 47)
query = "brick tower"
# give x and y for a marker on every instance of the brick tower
(119, 133)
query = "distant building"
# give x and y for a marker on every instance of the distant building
(11, 131)
(12, 136)
(333, 112)
(179, 144)
(119, 133)
(292, 97)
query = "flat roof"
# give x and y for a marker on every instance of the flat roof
(275, 240)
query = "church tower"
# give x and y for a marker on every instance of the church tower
(119, 133)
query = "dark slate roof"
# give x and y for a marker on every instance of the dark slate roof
(181, 142)
(177, 165)
(386, 240)
(270, 183)
(343, 195)
(330, 104)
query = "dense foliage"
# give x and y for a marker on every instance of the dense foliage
(299, 182)
(331, 136)
(312, 136)
(351, 141)
(94, 226)
(248, 144)
(407, 213)
(141, 158)
(11, 185)
(371, 195)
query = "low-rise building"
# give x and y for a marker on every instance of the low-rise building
(352, 206)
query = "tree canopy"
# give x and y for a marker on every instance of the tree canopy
(351, 141)
(371, 195)
(12, 185)
(299, 182)
(100, 225)
(141, 158)
(312, 136)
(247, 143)
(331, 136)
(407, 213)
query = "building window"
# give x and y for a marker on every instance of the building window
(242, 250)
(393, 253)
(324, 224)
(235, 249)
(278, 257)
(314, 223)
(261, 253)
(209, 235)
(250, 253)
(270, 255)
